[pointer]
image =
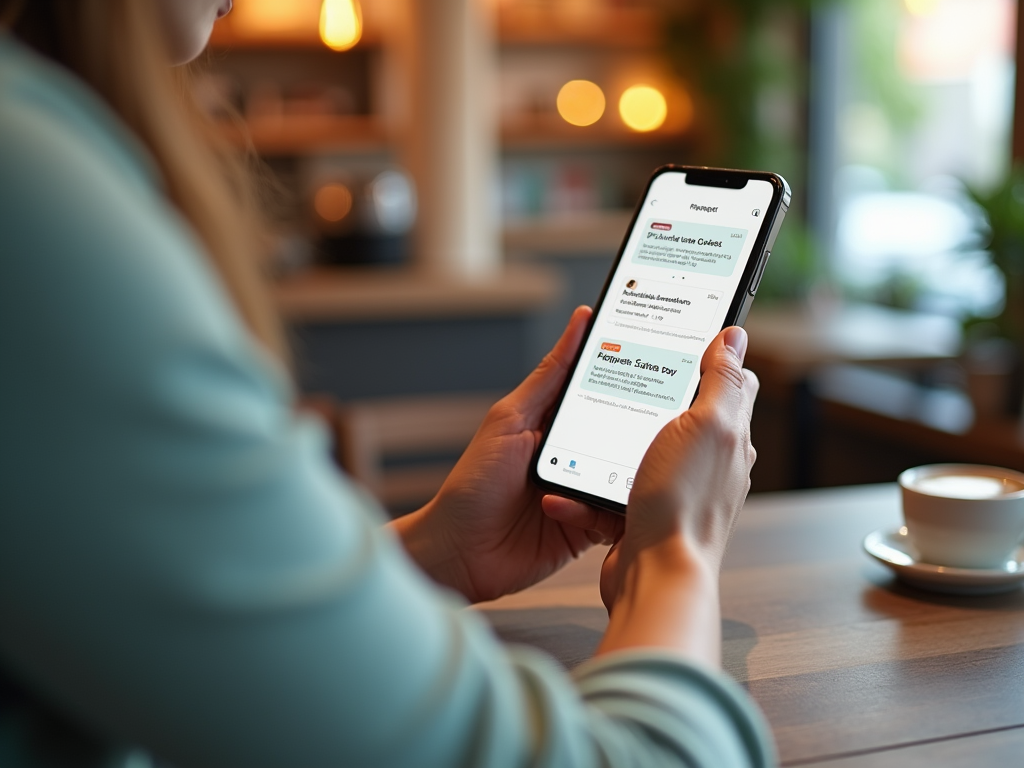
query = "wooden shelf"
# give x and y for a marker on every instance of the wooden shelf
(536, 24)
(598, 28)
(611, 28)
(576, 234)
(549, 131)
(367, 294)
(228, 34)
(224, 38)
(309, 134)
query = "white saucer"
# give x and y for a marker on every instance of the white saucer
(892, 548)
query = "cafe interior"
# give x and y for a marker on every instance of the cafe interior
(446, 183)
(446, 180)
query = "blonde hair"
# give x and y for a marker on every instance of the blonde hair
(116, 46)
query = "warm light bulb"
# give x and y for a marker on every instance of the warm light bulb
(341, 24)
(643, 108)
(580, 102)
(333, 202)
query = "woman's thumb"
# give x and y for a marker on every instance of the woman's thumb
(537, 393)
(724, 382)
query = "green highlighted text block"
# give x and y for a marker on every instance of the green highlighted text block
(648, 375)
(702, 248)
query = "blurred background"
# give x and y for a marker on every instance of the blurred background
(447, 179)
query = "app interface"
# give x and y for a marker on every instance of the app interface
(667, 300)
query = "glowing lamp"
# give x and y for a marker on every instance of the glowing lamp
(332, 202)
(643, 108)
(580, 102)
(341, 24)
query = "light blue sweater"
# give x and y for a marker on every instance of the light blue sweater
(184, 573)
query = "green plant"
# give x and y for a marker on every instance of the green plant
(1004, 211)
(745, 61)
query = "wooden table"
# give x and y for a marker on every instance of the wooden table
(852, 668)
(920, 424)
(789, 343)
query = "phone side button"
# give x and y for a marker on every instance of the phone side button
(760, 271)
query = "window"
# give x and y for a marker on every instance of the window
(923, 105)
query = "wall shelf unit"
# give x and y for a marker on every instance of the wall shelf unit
(314, 114)
(610, 28)
(298, 135)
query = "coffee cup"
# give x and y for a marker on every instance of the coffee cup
(963, 515)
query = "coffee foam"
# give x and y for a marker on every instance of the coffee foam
(965, 486)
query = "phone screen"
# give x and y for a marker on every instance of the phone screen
(668, 297)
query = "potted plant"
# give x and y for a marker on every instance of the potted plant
(998, 342)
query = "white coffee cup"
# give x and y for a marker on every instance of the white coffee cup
(963, 515)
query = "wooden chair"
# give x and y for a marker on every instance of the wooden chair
(402, 449)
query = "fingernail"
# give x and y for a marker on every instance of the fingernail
(736, 340)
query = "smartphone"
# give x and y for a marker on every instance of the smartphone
(689, 266)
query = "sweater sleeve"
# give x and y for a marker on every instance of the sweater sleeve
(182, 569)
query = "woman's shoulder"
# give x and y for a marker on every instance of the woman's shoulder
(45, 107)
(94, 255)
(80, 198)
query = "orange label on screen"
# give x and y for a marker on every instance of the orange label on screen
(611, 347)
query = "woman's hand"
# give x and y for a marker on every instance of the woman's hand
(694, 478)
(660, 581)
(485, 533)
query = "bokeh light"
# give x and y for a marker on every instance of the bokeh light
(267, 17)
(581, 102)
(333, 202)
(643, 108)
(341, 24)
(921, 7)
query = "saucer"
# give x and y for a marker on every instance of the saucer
(892, 548)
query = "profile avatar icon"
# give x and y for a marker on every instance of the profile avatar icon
(631, 284)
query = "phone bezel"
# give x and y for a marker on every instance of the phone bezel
(718, 177)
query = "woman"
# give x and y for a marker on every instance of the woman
(182, 573)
